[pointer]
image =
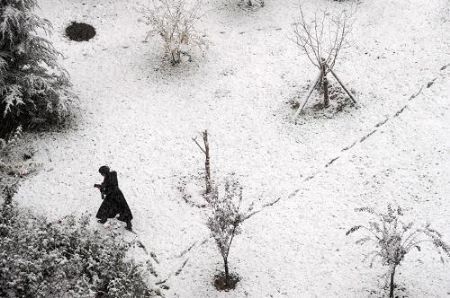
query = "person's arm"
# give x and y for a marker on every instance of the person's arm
(102, 187)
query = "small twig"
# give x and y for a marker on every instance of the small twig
(199, 146)
(244, 218)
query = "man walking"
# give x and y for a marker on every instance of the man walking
(113, 200)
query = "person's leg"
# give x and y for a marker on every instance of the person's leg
(102, 220)
(129, 226)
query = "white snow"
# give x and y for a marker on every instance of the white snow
(138, 115)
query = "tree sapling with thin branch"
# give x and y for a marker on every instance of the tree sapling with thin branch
(224, 223)
(321, 39)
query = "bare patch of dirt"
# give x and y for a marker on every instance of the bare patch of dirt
(221, 284)
(80, 31)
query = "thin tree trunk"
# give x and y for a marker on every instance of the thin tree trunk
(391, 291)
(207, 160)
(227, 274)
(225, 259)
(207, 163)
(326, 98)
(176, 57)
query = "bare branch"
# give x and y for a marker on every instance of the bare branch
(310, 36)
(270, 204)
(174, 21)
(199, 146)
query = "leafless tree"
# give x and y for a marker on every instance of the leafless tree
(226, 215)
(175, 21)
(392, 239)
(321, 38)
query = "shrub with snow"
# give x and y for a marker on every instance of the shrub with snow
(39, 258)
(33, 86)
(175, 22)
(392, 239)
(15, 162)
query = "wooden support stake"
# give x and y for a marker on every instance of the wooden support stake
(310, 91)
(342, 85)
(207, 162)
(205, 150)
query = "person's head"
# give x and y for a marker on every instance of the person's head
(104, 170)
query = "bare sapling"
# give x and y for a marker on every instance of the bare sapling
(205, 150)
(321, 39)
(175, 22)
(392, 239)
(224, 223)
(224, 205)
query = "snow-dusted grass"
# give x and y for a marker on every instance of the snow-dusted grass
(138, 115)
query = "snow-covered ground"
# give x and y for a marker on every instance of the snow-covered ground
(138, 115)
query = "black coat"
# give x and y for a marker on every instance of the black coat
(113, 200)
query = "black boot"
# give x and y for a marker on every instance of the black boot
(129, 226)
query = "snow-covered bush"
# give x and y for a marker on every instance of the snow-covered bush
(224, 224)
(392, 239)
(175, 22)
(33, 86)
(66, 258)
(15, 162)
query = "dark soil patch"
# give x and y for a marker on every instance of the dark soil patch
(221, 285)
(80, 31)
(339, 101)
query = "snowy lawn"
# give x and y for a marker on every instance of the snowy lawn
(138, 115)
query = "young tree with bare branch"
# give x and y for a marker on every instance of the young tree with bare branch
(394, 239)
(226, 215)
(175, 21)
(321, 39)
(224, 224)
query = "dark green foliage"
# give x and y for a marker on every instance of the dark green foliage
(33, 87)
(39, 258)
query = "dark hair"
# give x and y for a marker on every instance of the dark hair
(104, 170)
